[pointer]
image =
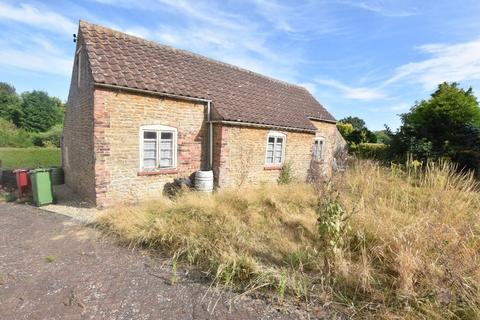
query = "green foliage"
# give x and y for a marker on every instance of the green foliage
(332, 220)
(356, 122)
(51, 138)
(377, 151)
(446, 125)
(383, 136)
(9, 103)
(13, 158)
(11, 136)
(345, 129)
(39, 111)
(354, 131)
(286, 175)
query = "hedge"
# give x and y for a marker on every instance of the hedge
(377, 151)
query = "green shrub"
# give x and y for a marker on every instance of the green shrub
(11, 136)
(377, 151)
(51, 138)
(468, 160)
(286, 174)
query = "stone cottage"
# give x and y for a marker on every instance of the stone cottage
(140, 114)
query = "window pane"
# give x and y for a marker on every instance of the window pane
(269, 159)
(166, 162)
(270, 147)
(166, 149)
(149, 135)
(149, 150)
(149, 163)
(271, 139)
(149, 145)
(149, 154)
(166, 144)
(318, 149)
(166, 135)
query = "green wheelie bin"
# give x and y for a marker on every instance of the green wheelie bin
(41, 186)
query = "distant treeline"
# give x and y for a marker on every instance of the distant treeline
(32, 118)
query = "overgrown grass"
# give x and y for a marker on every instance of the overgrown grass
(13, 158)
(410, 248)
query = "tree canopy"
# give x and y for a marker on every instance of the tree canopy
(356, 122)
(354, 131)
(39, 111)
(9, 103)
(446, 125)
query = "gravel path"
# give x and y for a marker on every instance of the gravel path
(52, 267)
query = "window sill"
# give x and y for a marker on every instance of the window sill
(272, 167)
(157, 172)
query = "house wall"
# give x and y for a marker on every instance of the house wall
(118, 117)
(239, 153)
(77, 143)
(333, 140)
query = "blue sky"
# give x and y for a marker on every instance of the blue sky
(371, 59)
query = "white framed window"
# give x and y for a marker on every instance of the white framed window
(158, 147)
(319, 148)
(276, 142)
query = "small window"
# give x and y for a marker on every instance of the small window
(159, 147)
(275, 148)
(318, 149)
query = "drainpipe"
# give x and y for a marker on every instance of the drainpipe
(210, 135)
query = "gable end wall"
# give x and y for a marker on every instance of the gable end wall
(77, 143)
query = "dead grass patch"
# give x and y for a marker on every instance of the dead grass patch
(412, 248)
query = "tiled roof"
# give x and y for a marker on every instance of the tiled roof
(237, 94)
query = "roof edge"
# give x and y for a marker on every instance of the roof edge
(158, 93)
(323, 120)
(261, 125)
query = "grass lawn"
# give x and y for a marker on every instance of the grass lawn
(14, 158)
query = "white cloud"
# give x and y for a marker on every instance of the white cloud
(353, 93)
(37, 61)
(311, 87)
(300, 18)
(40, 18)
(456, 62)
(387, 8)
(34, 52)
(399, 107)
(137, 32)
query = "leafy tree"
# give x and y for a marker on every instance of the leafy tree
(356, 122)
(39, 111)
(383, 136)
(345, 129)
(445, 125)
(9, 103)
(354, 131)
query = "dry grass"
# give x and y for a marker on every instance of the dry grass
(412, 248)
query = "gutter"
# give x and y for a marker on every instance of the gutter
(156, 93)
(323, 120)
(179, 97)
(259, 125)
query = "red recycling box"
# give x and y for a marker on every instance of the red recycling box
(23, 182)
